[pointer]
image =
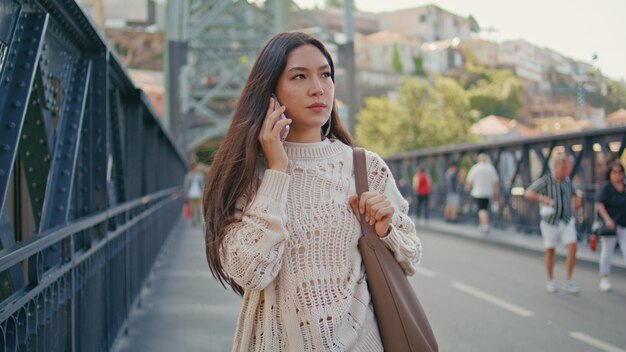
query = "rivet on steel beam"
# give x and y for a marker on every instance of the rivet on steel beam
(66, 172)
(22, 84)
(41, 141)
(63, 190)
(1, 172)
(34, 185)
(11, 125)
(28, 153)
(60, 207)
(24, 137)
(6, 147)
(31, 169)
(16, 104)
(26, 65)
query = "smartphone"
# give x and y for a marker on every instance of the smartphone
(285, 130)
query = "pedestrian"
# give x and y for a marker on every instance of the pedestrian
(558, 200)
(421, 186)
(482, 183)
(611, 207)
(281, 223)
(452, 193)
(194, 187)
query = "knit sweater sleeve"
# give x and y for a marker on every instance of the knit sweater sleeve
(402, 239)
(253, 248)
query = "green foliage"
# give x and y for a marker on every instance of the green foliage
(421, 116)
(418, 67)
(615, 98)
(396, 63)
(494, 92)
(474, 26)
(339, 4)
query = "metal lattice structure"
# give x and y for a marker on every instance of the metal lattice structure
(211, 47)
(518, 163)
(87, 174)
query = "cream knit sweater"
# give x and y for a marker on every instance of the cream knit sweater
(295, 254)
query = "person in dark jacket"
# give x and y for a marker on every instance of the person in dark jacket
(611, 207)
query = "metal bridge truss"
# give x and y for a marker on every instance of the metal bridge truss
(89, 181)
(518, 163)
(218, 41)
(211, 47)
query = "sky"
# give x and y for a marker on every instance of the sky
(574, 28)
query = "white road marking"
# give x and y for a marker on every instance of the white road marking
(592, 341)
(492, 299)
(425, 272)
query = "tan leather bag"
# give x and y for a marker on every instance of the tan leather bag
(401, 320)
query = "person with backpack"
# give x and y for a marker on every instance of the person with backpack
(421, 186)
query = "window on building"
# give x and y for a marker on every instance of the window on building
(423, 18)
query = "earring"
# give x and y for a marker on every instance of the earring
(328, 128)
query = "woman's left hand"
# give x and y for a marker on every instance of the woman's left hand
(377, 209)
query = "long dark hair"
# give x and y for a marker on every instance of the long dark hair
(233, 173)
(610, 168)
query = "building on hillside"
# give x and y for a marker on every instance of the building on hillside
(331, 18)
(485, 51)
(151, 82)
(137, 48)
(495, 128)
(560, 124)
(376, 51)
(95, 10)
(521, 57)
(616, 118)
(426, 24)
(135, 13)
(442, 56)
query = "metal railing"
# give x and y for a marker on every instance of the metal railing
(518, 163)
(90, 182)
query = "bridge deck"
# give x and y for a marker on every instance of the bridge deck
(184, 308)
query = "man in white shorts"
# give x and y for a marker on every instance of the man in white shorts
(556, 194)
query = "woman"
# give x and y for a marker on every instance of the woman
(281, 224)
(611, 206)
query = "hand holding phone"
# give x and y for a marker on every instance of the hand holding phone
(285, 131)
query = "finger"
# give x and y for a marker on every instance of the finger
(278, 126)
(371, 205)
(363, 200)
(379, 207)
(384, 213)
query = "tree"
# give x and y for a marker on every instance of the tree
(474, 26)
(495, 92)
(418, 66)
(338, 4)
(421, 116)
(396, 62)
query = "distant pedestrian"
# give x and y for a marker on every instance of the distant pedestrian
(421, 186)
(558, 200)
(194, 188)
(611, 206)
(482, 182)
(452, 193)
